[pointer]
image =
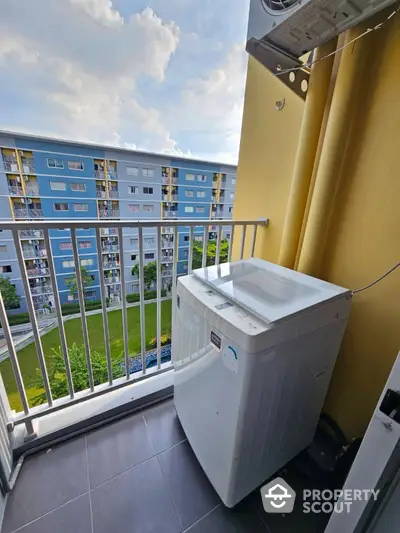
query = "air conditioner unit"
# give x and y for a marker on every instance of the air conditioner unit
(281, 31)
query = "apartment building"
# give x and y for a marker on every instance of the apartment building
(42, 178)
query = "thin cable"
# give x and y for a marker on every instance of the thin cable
(376, 281)
(311, 63)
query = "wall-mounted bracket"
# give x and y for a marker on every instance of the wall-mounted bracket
(276, 61)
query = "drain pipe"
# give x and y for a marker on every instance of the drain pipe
(341, 111)
(306, 151)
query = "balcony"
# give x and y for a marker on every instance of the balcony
(15, 190)
(108, 231)
(10, 165)
(31, 253)
(165, 180)
(28, 165)
(99, 174)
(113, 193)
(110, 265)
(32, 191)
(129, 462)
(169, 213)
(109, 213)
(31, 233)
(28, 213)
(110, 248)
(100, 193)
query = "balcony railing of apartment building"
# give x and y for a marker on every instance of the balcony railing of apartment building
(31, 233)
(28, 165)
(113, 193)
(108, 231)
(15, 190)
(28, 213)
(100, 193)
(109, 213)
(30, 252)
(246, 233)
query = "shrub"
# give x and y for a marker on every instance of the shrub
(18, 318)
(148, 295)
(165, 339)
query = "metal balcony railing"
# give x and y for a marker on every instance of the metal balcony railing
(113, 193)
(108, 231)
(109, 213)
(99, 174)
(28, 213)
(112, 288)
(110, 248)
(100, 194)
(28, 165)
(10, 165)
(31, 233)
(15, 190)
(32, 191)
(32, 252)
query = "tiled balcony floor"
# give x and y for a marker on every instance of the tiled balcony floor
(135, 475)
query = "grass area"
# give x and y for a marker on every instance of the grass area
(73, 330)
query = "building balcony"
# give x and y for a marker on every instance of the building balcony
(28, 213)
(31, 234)
(99, 174)
(113, 193)
(110, 248)
(15, 190)
(135, 466)
(100, 194)
(32, 253)
(109, 213)
(108, 231)
(165, 180)
(11, 165)
(32, 191)
(169, 213)
(110, 265)
(28, 165)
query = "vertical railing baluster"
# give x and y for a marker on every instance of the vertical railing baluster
(159, 297)
(81, 298)
(104, 306)
(231, 243)
(142, 306)
(218, 247)
(205, 247)
(244, 228)
(32, 317)
(15, 364)
(175, 259)
(253, 241)
(190, 254)
(57, 305)
(123, 296)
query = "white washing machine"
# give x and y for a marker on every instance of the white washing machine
(254, 345)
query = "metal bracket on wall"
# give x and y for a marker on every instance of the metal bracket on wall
(276, 60)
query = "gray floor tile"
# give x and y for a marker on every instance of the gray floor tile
(116, 447)
(191, 491)
(163, 425)
(136, 501)
(46, 481)
(74, 517)
(241, 519)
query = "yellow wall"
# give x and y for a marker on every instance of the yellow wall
(363, 239)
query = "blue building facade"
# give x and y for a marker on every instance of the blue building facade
(52, 179)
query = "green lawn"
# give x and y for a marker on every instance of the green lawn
(73, 330)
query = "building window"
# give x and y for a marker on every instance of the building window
(233, 181)
(230, 209)
(134, 242)
(90, 294)
(201, 177)
(60, 206)
(147, 190)
(148, 172)
(186, 238)
(232, 195)
(201, 194)
(75, 165)
(134, 207)
(228, 236)
(132, 171)
(5, 269)
(81, 207)
(71, 297)
(149, 241)
(198, 238)
(199, 209)
(189, 177)
(189, 193)
(58, 186)
(189, 209)
(3, 248)
(84, 244)
(149, 255)
(79, 187)
(86, 262)
(65, 245)
(55, 163)
(148, 208)
(133, 257)
(132, 189)
(68, 264)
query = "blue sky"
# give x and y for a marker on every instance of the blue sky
(165, 76)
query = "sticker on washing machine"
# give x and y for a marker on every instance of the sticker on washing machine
(230, 358)
(215, 341)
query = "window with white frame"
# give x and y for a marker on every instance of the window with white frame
(189, 177)
(67, 245)
(189, 209)
(132, 171)
(135, 208)
(199, 209)
(233, 181)
(84, 244)
(147, 190)
(75, 165)
(189, 193)
(58, 186)
(68, 264)
(61, 206)
(149, 255)
(201, 177)
(90, 294)
(55, 163)
(148, 208)
(86, 262)
(78, 187)
(134, 242)
(3, 248)
(132, 189)
(81, 207)
(148, 172)
(149, 241)
(201, 194)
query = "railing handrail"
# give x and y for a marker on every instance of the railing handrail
(125, 223)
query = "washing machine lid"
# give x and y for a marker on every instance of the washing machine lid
(271, 292)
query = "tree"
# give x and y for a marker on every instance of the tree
(80, 377)
(149, 273)
(211, 253)
(9, 294)
(72, 283)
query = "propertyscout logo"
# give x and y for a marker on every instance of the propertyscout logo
(279, 497)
